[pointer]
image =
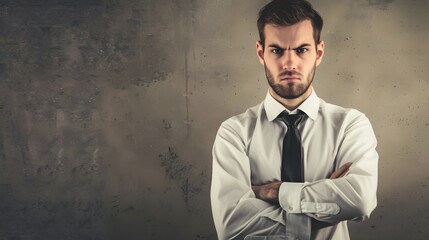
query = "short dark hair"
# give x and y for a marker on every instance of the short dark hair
(289, 12)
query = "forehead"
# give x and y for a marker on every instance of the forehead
(296, 34)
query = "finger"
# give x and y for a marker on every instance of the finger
(344, 173)
(345, 168)
(340, 171)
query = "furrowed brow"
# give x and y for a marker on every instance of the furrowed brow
(276, 46)
(302, 45)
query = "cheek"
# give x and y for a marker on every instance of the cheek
(273, 67)
(308, 64)
(272, 64)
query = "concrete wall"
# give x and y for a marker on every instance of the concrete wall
(109, 108)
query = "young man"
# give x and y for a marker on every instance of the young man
(294, 166)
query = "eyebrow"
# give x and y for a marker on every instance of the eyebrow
(301, 46)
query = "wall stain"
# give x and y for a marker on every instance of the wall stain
(174, 168)
(166, 125)
(191, 185)
(192, 188)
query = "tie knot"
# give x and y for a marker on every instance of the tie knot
(291, 119)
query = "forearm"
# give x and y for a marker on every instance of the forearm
(236, 211)
(330, 201)
(351, 197)
(249, 216)
(320, 199)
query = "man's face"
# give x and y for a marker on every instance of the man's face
(290, 58)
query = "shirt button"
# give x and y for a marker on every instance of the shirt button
(291, 208)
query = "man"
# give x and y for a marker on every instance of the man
(277, 178)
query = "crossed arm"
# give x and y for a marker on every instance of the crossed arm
(270, 192)
(241, 208)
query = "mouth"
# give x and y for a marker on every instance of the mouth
(289, 79)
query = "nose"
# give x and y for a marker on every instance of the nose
(289, 60)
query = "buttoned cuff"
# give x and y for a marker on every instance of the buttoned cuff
(290, 196)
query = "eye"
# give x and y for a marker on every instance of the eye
(277, 51)
(301, 50)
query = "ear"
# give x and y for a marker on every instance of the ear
(260, 52)
(319, 52)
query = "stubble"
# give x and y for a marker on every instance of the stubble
(293, 89)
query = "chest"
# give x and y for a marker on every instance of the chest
(320, 142)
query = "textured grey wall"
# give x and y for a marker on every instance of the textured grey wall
(108, 110)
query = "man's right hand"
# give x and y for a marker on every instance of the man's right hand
(268, 192)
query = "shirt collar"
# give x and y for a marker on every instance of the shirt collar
(310, 106)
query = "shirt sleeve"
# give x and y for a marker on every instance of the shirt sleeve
(352, 197)
(236, 210)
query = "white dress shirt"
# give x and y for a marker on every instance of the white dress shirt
(248, 151)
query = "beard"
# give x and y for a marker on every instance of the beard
(292, 90)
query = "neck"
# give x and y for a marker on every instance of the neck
(291, 104)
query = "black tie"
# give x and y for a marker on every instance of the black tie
(292, 165)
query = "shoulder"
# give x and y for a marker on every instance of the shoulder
(245, 119)
(345, 119)
(339, 113)
(244, 123)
